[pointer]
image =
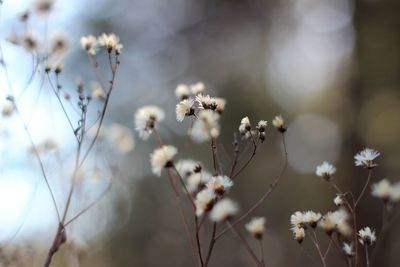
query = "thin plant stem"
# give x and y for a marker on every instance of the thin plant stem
(182, 214)
(211, 245)
(316, 244)
(260, 241)
(265, 195)
(366, 256)
(249, 251)
(364, 188)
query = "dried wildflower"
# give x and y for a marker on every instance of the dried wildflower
(297, 220)
(206, 127)
(335, 222)
(206, 102)
(30, 42)
(366, 158)
(198, 180)
(120, 137)
(147, 119)
(89, 43)
(162, 158)
(43, 7)
(98, 92)
(394, 194)
(182, 92)
(184, 108)
(279, 123)
(221, 104)
(204, 201)
(311, 218)
(262, 126)
(338, 200)
(186, 167)
(348, 249)
(197, 88)
(8, 109)
(256, 227)
(325, 170)
(367, 236)
(299, 234)
(244, 126)
(59, 44)
(223, 210)
(381, 189)
(110, 42)
(220, 184)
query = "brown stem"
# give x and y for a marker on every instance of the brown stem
(211, 245)
(265, 195)
(245, 244)
(316, 244)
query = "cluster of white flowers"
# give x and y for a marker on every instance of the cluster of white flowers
(366, 157)
(247, 132)
(223, 210)
(300, 221)
(367, 236)
(110, 42)
(194, 175)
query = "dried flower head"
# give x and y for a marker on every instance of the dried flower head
(30, 42)
(366, 158)
(336, 221)
(325, 170)
(43, 7)
(256, 227)
(348, 249)
(147, 119)
(182, 92)
(206, 102)
(394, 195)
(206, 127)
(367, 236)
(197, 88)
(311, 218)
(297, 220)
(59, 45)
(98, 92)
(262, 126)
(279, 123)
(110, 42)
(90, 44)
(162, 158)
(184, 108)
(204, 201)
(220, 184)
(244, 126)
(198, 180)
(338, 200)
(221, 104)
(382, 189)
(186, 167)
(223, 210)
(8, 109)
(299, 234)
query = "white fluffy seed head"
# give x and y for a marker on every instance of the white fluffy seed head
(183, 109)
(297, 219)
(382, 189)
(394, 195)
(336, 221)
(120, 138)
(221, 104)
(182, 92)
(366, 157)
(325, 170)
(348, 249)
(311, 218)
(367, 236)
(279, 123)
(147, 119)
(204, 201)
(205, 127)
(197, 88)
(110, 42)
(223, 210)
(338, 200)
(220, 184)
(299, 234)
(90, 44)
(256, 227)
(162, 158)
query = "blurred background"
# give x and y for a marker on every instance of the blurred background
(330, 67)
